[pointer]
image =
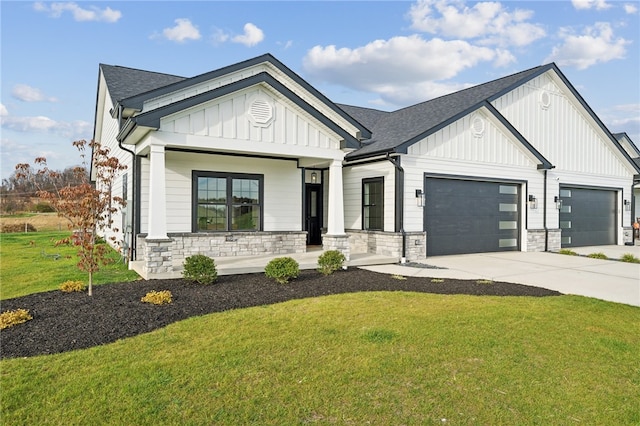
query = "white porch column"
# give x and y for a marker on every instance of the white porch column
(157, 195)
(335, 225)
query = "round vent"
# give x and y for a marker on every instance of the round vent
(261, 111)
(545, 99)
(477, 126)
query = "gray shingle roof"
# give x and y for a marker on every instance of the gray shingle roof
(396, 129)
(125, 82)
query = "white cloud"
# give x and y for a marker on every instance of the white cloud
(488, 22)
(182, 31)
(630, 9)
(3, 110)
(26, 93)
(219, 37)
(42, 124)
(402, 69)
(590, 4)
(93, 13)
(596, 44)
(252, 35)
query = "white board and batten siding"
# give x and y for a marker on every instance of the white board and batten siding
(467, 149)
(215, 83)
(106, 134)
(556, 124)
(282, 188)
(228, 118)
(352, 183)
(547, 114)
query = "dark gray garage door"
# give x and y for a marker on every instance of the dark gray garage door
(587, 217)
(464, 216)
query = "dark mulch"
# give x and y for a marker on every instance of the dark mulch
(68, 321)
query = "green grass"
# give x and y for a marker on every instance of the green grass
(630, 258)
(382, 358)
(598, 256)
(23, 269)
(568, 252)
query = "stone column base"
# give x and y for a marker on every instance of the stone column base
(337, 242)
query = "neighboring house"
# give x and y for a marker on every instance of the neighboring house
(634, 153)
(250, 159)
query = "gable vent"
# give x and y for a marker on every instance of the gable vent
(261, 111)
(545, 99)
(477, 126)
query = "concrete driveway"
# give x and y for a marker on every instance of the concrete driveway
(610, 280)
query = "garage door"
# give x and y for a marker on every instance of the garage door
(587, 217)
(464, 216)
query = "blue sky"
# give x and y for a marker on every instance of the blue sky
(376, 54)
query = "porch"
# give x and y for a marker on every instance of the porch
(234, 265)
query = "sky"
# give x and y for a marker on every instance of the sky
(377, 54)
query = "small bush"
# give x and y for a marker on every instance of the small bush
(330, 261)
(398, 277)
(71, 286)
(598, 256)
(157, 297)
(437, 280)
(630, 258)
(43, 208)
(568, 252)
(200, 268)
(282, 269)
(11, 318)
(484, 281)
(18, 227)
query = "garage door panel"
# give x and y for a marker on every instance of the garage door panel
(463, 216)
(587, 217)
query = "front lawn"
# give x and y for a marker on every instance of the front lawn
(26, 264)
(382, 358)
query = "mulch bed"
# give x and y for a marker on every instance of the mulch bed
(69, 321)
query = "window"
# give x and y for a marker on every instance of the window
(227, 202)
(373, 204)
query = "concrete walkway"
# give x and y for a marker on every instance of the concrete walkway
(602, 279)
(609, 280)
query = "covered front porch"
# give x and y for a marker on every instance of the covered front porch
(234, 265)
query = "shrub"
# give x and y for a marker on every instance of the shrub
(282, 269)
(11, 318)
(18, 227)
(157, 297)
(71, 286)
(43, 208)
(630, 258)
(200, 268)
(330, 261)
(598, 256)
(568, 252)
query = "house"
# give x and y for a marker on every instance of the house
(251, 159)
(634, 152)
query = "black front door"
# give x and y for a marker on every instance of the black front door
(313, 213)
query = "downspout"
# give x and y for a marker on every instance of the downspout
(133, 185)
(400, 204)
(544, 216)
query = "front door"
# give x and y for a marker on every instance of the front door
(313, 213)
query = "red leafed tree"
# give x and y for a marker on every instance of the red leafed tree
(89, 206)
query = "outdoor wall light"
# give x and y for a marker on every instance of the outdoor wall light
(419, 198)
(558, 202)
(314, 177)
(533, 202)
(627, 205)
